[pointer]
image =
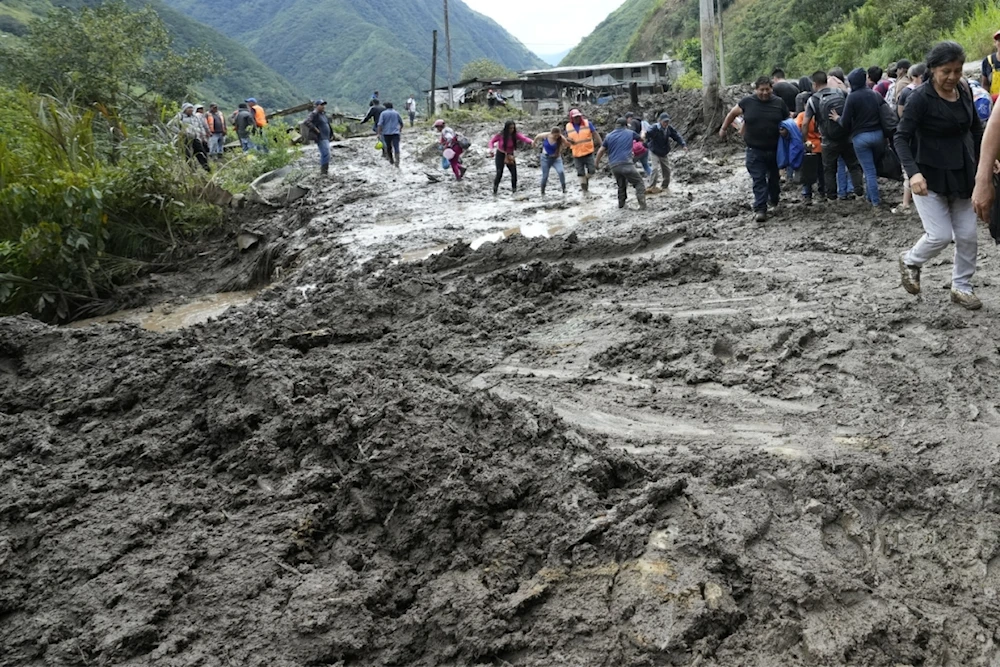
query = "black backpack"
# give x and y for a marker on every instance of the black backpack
(831, 100)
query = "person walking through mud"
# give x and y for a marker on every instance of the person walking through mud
(839, 158)
(584, 139)
(390, 126)
(861, 119)
(553, 144)
(319, 125)
(374, 112)
(451, 148)
(411, 109)
(618, 147)
(938, 142)
(503, 146)
(762, 114)
(658, 139)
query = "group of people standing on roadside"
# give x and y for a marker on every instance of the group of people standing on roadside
(928, 118)
(204, 134)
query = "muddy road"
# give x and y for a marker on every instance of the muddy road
(464, 430)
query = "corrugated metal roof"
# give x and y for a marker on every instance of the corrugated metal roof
(574, 68)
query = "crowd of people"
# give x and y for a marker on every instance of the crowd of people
(203, 134)
(841, 133)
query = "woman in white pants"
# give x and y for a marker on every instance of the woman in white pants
(938, 142)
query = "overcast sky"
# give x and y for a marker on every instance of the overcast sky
(546, 26)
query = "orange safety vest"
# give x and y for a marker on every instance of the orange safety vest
(259, 116)
(210, 117)
(582, 138)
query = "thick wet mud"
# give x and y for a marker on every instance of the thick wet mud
(465, 430)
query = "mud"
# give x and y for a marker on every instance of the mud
(675, 437)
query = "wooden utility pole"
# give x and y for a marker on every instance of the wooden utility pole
(722, 49)
(434, 72)
(447, 46)
(709, 65)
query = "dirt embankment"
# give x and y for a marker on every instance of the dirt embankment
(578, 436)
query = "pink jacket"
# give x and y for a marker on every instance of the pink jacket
(639, 149)
(508, 149)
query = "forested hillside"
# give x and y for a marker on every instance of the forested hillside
(344, 49)
(242, 74)
(801, 35)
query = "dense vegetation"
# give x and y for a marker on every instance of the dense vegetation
(238, 72)
(801, 35)
(342, 50)
(94, 185)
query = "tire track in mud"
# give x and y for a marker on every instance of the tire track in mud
(606, 447)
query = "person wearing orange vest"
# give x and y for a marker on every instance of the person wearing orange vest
(216, 130)
(584, 139)
(258, 114)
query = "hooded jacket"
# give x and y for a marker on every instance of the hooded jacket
(791, 149)
(861, 110)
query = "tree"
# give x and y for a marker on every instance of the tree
(484, 68)
(107, 57)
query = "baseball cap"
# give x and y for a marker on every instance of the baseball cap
(439, 123)
(621, 122)
(251, 100)
(664, 116)
(320, 102)
(574, 113)
(996, 34)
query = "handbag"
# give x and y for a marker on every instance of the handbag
(888, 164)
(809, 172)
(509, 159)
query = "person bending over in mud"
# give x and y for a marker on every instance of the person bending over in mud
(553, 144)
(451, 148)
(938, 142)
(504, 145)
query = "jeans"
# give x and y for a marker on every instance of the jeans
(246, 144)
(548, 162)
(763, 169)
(391, 143)
(832, 153)
(844, 185)
(501, 162)
(869, 146)
(324, 151)
(216, 143)
(662, 169)
(944, 219)
(584, 165)
(413, 115)
(624, 175)
(815, 163)
(644, 161)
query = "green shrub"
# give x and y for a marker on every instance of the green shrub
(689, 80)
(975, 32)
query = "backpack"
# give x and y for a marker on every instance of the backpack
(983, 102)
(463, 142)
(829, 101)
(888, 119)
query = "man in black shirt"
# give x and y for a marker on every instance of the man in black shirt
(762, 114)
(786, 90)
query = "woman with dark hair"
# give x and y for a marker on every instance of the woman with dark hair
(553, 145)
(938, 142)
(505, 143)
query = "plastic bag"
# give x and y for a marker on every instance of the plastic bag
(379, 145)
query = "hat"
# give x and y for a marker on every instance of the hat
(199, 106)
(213, 105)
(439, 123)
(320, 102)
(629, 114)
(664, 116)
(574, 113)
(996, 34)
(621, 122)
(251, 100)
(186, 106)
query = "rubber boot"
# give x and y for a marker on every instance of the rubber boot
(583, 183)
(324, 169)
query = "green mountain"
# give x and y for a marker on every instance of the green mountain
(344, 49)
(800, 35)
(242, 75)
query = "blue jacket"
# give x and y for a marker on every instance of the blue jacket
(791, 149)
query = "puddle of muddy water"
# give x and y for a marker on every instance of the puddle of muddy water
(170, 317)
(530, 230)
